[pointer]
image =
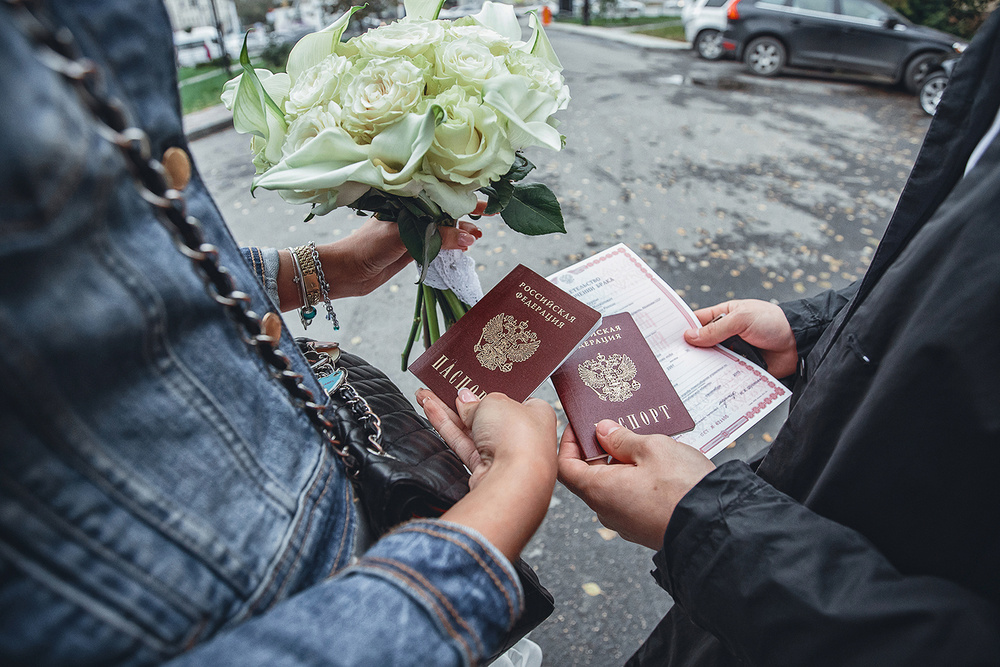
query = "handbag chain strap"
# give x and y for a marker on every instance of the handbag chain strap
(58, 50)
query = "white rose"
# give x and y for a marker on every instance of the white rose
(308, 125)
(467, 63)
(320, 83)
(469, 146)
(541, 75)
(528, 111)
(379, 95)
(408, 38)
(469, 150)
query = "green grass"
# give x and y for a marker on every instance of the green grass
(675, 32)
(622, 22)
(204, 93)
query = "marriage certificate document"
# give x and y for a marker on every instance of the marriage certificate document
(724, 393)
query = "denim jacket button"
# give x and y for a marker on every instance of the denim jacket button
(178, 167)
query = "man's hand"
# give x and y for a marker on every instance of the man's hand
(759, 323)
(511, 450)
(637, 494)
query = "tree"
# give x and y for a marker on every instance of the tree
(958, 17)
(253, 11)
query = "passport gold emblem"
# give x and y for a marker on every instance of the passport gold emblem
(612, 378)
(505, 342)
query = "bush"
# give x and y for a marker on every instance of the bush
(958, 17)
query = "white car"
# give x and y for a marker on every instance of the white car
(704, 21)
(612, 9)
(196, 46)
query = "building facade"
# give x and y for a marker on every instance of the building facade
(188, 14)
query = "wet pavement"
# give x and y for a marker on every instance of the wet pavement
(728, 185)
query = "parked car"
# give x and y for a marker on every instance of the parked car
(934, 84)
(862, 36)
(196, 46)
(612, 9)
(704, 21)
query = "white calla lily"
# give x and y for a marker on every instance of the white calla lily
(316, 46)
(539, 44)
(500, 16)
(423, 9)
(256, 106)
(333, 161)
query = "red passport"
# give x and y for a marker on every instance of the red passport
(510, 341)
(615, 375)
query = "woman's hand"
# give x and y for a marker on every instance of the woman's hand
(366, 259)
(510, 448)
(637, 494)
(759, 323)
(373, 254)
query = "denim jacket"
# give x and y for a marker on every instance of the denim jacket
(160, 494)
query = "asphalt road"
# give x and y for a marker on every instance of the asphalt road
(728, 185)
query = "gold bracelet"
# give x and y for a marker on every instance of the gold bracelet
(310, 279)
(307, 312)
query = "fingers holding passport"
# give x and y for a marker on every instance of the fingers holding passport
(635, 497)
(496, 429)
(510, 448)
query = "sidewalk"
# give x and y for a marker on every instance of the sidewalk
(204, 122)
(621, 35)
(198, 124)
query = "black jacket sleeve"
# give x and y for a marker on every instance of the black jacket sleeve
(810, 317)
(779, 585)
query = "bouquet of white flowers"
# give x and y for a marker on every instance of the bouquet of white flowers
(407, 122)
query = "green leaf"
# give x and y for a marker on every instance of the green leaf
(411, 235)
(432, 246)
(420, 237)
(533, 210)
(519, 169)
(499, 193)
(423, 9)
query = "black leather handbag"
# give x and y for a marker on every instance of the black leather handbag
(406, 471)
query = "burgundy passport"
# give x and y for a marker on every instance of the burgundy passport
(510, 341)
(615, 375)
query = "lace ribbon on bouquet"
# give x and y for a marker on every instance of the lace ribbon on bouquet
(455, 270)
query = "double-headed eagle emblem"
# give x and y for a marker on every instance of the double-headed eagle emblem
(504, 342)
(612, 378)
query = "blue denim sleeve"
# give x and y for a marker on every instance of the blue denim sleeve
(429, 593)
(264, 262)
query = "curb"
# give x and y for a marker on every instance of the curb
(205, 122)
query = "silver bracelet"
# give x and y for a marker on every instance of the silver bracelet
(324, 288)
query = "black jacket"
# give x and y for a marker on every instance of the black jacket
(870, 534)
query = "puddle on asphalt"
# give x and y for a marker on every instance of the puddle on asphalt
(721, 83)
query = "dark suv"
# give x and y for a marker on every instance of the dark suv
(851, 35)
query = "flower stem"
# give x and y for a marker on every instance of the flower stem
(450, 317)
(433, 331)
(413, 328)
(457, 307)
